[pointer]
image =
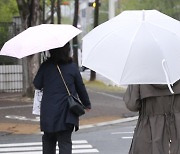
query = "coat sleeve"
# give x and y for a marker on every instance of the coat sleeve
(38, 80)
(81, 90)
(132, 98)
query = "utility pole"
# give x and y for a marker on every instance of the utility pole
(111, 8)
(96, 22)
(75, 39)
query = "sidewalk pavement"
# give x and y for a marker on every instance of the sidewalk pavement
(86, 76)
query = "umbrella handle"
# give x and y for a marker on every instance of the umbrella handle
(167, 78)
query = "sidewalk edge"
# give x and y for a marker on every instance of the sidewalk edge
(109, 122)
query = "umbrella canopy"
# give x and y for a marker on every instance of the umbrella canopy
(135, 47)
(39, 38)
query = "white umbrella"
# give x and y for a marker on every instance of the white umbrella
(135, 47)
(39, 38)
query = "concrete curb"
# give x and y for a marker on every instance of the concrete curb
(106, 123)
(109, 122)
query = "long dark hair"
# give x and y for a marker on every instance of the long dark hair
(61, 55)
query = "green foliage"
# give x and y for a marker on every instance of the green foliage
(66, 20)
(103, 11)
(8, 9)
(98, 85)
(3, 35)
(169, 7)
(4, 60)
(48, 2)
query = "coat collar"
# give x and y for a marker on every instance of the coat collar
(158, 90)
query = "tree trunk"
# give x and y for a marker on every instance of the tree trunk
(52, 11)
(30, 16)
(75, 39)
(43, 11)
(59, 11)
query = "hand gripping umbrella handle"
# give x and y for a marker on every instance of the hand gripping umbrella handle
(167, 77)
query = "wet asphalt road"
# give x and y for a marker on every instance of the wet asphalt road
(105, 105)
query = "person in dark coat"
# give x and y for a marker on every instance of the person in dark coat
(56, 121)
(158, 127)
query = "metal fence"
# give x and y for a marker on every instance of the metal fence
(11, 78)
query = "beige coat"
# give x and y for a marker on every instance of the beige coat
(158, 127)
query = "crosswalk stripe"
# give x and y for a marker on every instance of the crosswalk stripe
(39, 152)
(39, 148)
(19, 149)
(115, 133)
(85, 151)
(39, 143)
(79, 141)
(20, 144)
(127, 137)
(79, 146)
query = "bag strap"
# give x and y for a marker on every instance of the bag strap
(66, 85)
(63, 80)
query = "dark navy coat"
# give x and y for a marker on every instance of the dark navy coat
(55, 115)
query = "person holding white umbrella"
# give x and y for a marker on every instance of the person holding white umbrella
(56, 120)
(158, 127)
(141, 48)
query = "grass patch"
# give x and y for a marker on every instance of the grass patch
(102, 86)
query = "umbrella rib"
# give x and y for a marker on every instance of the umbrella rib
(136, 47)
(133, 38)
(163, 28)
(39, 38)
(151, 33)
(154, 38)
(101, 40)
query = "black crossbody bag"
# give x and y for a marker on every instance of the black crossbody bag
(75, 105)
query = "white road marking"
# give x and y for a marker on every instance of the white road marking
(106, 94)
(110, 122)
(23, 118)
(124, 133)
(14, 107)
(127, 137)
(79, 141)
(113, 96)
(115, 133)
(79, 146)
(39, 152)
